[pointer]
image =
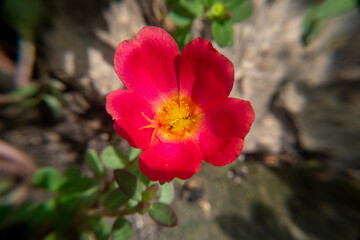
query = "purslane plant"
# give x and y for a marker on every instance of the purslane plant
(177, 107)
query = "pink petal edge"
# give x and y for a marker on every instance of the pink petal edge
(205, 74)
(221, 136)
(148, 64)
(126, 108)
(165, 161)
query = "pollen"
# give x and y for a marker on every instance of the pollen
(176, 118)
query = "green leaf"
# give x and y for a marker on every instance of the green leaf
(332, 8)
(223, 33)
(132, 203)
(87, 236)
(311, 25)
(47, 178)
(75, 185)
(24, 16)
(241, 12)
(134, 169)
(167, 193)
(317, 12)
(52, 102)
(234, 3)
(101, 228)
(182, 36)
(24, 92)
(115, 199)
(35, 212)
(59, 95)
(163, 214)
(79, 199)
(121, 229)
(178, 180)
(179, 19)
(309, 19)
(129, 184)
(73, 182)
(134, 153)
(209, 3)
(150, 192)
(194, 7)
(113, 158)
(72, 172)
(93, 161)
(317, 28)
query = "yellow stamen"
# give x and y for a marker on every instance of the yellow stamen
(148, 119)
(176, 119)
(153, 125)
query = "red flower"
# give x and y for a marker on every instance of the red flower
(177, 107)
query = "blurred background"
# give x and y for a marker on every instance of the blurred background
(298, 64)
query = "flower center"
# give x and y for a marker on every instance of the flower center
(176, 118)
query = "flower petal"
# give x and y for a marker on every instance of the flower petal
(220, 151)
(165, 161)
(131, 133)
(127, 108)
(123, 104)
(146, 64)
(233, 118)
(221, 136)
(205, 74)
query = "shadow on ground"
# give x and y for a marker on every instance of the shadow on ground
(304, 203)
(263, 224)
(322, 205)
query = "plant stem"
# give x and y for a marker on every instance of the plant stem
(112, 213)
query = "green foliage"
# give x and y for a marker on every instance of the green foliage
(115, 199)
(332, 8)
(218, 12)
(150, 192)
(45, 95)
(24, 16)
(240, 11)
(101, 228)
(221, 15)
(163, 214)
(24, 92)
(53, 103)
(318, 13)
(223, 33)
(129, 184)
(47, 178)
(73, 182)
(179, 180)
(36, 212)
(182, 35)
(93, 162)
(134, 169)
(76, 205)
(121, 229)
(132, 203)
(76, 199)
(113, 158)
(134, 153)
(166, 193)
